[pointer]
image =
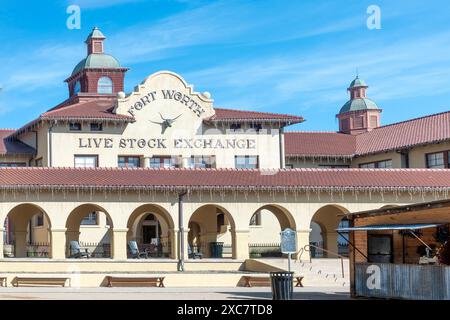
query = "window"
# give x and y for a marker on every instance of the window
(358, 122)
(220, 222)
(129, 162)
(438, 160)
(75, 126)
(39, 220)
(105, 85)
(373, 121)
(77, 87)
(334, 166)
(12, 164)
(256, 126)
(90, 219)
(289, 166)
(202, 162)
(384, 164)
(96, 126)
(345, 124)
(163, 162)
(235, 126)
(256, 219)
(86, 161)
(387, 164)
(246, 162)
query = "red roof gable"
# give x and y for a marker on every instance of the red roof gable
(13, 146)
(233, 179)
(91, 109)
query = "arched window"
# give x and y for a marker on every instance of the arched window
(77, 87)
(104, 85)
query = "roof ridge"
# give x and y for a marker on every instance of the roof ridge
(409, 120)
(300, 131)
(264, 112)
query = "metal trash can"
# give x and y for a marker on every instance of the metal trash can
(282, 285)
(216, 249)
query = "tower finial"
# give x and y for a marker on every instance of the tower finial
(357, 72)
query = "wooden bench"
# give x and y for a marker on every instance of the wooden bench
(251, 281)
(3, 282)
(40, 281)
(266, 282)
(135, 282)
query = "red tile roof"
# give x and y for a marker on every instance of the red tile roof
(91, 109)
(430, 129)
(415, 132)
(208, 179)
(12, 146)
(229, 115)
(319, 144)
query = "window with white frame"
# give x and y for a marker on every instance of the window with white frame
(104, 85)
(83, 161)
(438, 160)
(246, 162)
(384, 164)
(202, 162)
(90, 220)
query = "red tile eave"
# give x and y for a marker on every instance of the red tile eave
(227, 179)
(402, 147)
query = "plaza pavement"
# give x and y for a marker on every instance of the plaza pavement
(223, 293)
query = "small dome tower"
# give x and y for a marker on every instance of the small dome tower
(359, 114)
(98, 73)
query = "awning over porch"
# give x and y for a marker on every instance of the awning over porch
(390, 227)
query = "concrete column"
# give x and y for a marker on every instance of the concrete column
(173, 243)
(20, 243)
(119, 244)
(240, 244)
(331, 244)
(1, 243)
(302, 241)
(186, 234)
(58, 243)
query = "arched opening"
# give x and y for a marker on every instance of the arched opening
(152, 227)
(212, 232)
(265, 226)
(90, 227)
(105, 85)
(323, 233)
(27, 232)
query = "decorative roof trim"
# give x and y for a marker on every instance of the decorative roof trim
(248, 188)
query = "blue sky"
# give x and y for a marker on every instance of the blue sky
(294, 57)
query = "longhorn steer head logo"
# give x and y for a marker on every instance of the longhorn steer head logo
(166, 123)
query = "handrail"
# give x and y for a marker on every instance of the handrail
(306, 248)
